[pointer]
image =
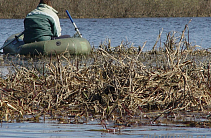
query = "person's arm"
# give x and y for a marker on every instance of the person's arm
(55, 27)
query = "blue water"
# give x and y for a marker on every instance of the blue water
(52, 130)
(134, 31)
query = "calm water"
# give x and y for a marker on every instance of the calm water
(52, 130)
(96, 31)
(133, 30)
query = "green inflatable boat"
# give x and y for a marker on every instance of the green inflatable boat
(74, 45)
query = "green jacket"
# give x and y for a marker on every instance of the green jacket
(41, 24)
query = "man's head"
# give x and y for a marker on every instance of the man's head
(48, 2)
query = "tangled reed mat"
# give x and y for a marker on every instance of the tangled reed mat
(169, 84)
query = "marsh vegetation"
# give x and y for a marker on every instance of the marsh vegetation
(126, 84)
(112, 9)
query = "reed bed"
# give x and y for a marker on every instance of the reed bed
(112, 9)
(124, 84)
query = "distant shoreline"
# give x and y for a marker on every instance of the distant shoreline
(11, 9)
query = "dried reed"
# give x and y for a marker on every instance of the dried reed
(115, 83)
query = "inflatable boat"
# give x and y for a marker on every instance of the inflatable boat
(74, 45)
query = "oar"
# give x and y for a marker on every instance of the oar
(76, 28)
(11, 41)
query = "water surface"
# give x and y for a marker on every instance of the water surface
(132, 30)
(52, 130)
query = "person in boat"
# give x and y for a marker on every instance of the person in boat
(42, 24)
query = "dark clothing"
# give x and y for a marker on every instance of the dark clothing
(38, 28)
(41, 24)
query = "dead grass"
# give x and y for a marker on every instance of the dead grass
(120, 83)
(112, 9)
